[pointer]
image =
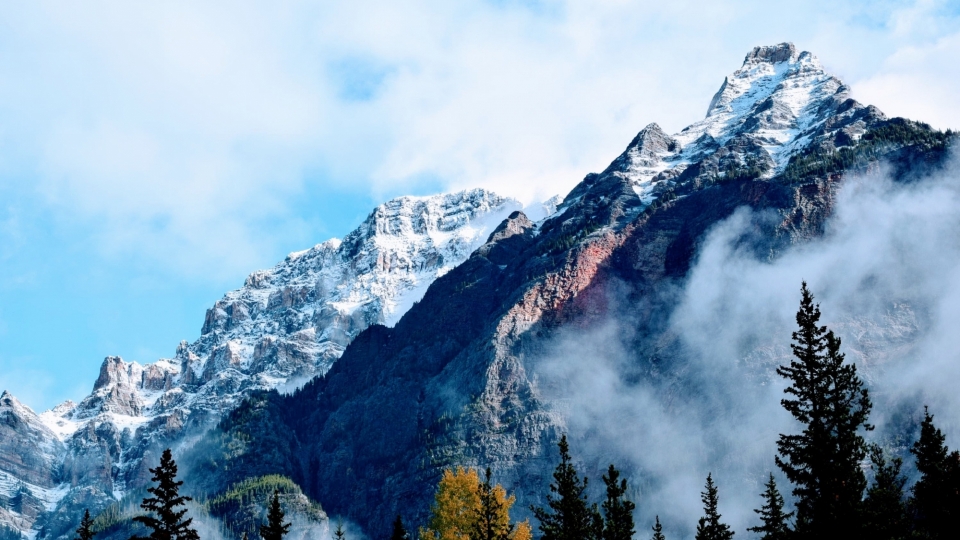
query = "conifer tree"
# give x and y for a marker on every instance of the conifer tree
(275, 527)
(884, 511)
(491, 522)
(710, 527)
(399, 531)
(829, 400)
(936, 495)
(658, 531)
(771, 514)
(617, 509)
(167, 505)
(83, 531)
(339, 533)
(569, 516)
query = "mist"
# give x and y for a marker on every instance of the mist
(704, 396)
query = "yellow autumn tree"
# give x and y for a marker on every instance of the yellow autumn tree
(466, 509)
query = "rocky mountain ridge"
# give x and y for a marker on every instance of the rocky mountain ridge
(284, 326)
(456, 383)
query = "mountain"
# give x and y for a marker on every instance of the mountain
(457, 381)
(283, 327)
(361, 369)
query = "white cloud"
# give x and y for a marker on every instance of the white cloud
(185, 133)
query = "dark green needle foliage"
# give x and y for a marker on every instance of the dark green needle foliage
(936, 495)
(884, 510)
(658, 531)
(166, 506)
(489, 524)
(827, 397)
(710, 526)
(774, 519)
(617, 509)
(83, 531)
(275, 527)
(569, 516)
(399, 531)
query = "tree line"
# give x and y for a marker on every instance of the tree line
(824, 463)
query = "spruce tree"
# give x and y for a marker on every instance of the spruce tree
(492, 521)
(658, 531)
(399, 531)
(829, 400)
(339, 533)
(772, 515)
(884, 511)
(167, 506)
(275, 527)
(83, 531)
(710, 527)
(569, 516)
(936, 495)
(617, 508)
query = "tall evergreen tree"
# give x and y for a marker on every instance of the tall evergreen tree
(167, 506)
(569, 517)
(710, 526)
(83, 531)
(339, 533)
(774, 519)
(399, 531)
(828, 398)
(492, 521)
(936, 495)
(275, 527)
(884, 510)
(617, 508)
(658, 531)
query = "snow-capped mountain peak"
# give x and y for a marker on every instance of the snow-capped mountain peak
(776, 104)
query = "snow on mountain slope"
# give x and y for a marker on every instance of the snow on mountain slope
(284, 326)
(778, 103)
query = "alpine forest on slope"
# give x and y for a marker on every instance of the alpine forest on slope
(823, 463)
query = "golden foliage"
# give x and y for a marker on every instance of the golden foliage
(461, 503)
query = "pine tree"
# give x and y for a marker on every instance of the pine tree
(569, 516)
(658, 531)
(936, 495)
(399, 531)
(710, 527)
(617, 509)
(167, 520)
(339, 533)
(275, 527)
(83, 531)
(884, 511)
(772, 515)
(828, 398)
(491, 522)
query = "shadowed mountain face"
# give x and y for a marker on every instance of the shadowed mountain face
(455, 383)
(443, 310)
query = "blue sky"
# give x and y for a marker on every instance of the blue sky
(152, 156)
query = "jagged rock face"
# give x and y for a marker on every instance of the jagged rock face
(284, 326)
(29, 464)
(450, 384)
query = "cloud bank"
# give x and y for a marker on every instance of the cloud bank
(887, 275)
